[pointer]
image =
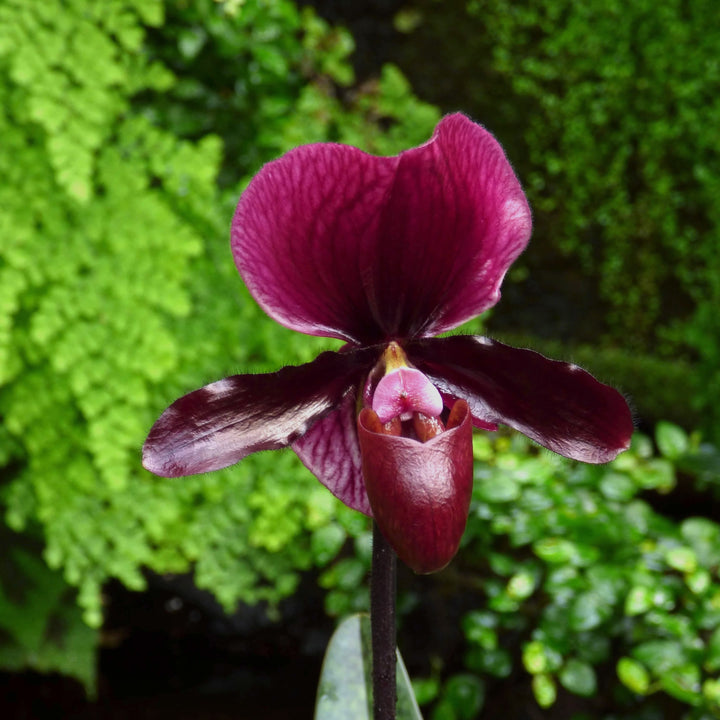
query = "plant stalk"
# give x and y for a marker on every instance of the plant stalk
(382, 626)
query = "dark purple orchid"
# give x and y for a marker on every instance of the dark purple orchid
(385, 253)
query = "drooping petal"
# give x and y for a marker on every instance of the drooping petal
(419, 492)
(331, 452)
(557, 404)
(333, 241)
(220, 424)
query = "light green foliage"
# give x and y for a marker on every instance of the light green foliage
(582, 568)
(585, 583)
(118, 292)
(99, 259)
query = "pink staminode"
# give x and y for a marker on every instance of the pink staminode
(403, 392)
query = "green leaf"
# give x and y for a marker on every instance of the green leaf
(465, 694)
(641, 445)
(151, 11)
(617, 486)
(345, 688)
(698, 581)
(497, 662)
(500, 488)
(426, 690)
(326, 542)
(672, 440)
(578, 677)
(703, 536)
(521, 585)
(661, 655)
(544, 689)
(638, 600)
(443, 711)
(683, 683)
(588, 611)
(633, 675)
(540, 658)
(682, 558)
(711, 690)
(656, 474)
(533, 657)
(271, 59)
(555, 550)
(712, 659)
(479, 628)
(347, 574)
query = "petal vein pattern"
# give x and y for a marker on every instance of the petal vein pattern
(557, 404)
(220, 424)
(333, 241)
(303, 238)
(331, 452)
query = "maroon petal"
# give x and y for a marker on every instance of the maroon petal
(557, 404)
(331, 452)
(220, 424)
(333, 241)
(419, 492)
(455, 220)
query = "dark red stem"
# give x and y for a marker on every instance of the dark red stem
(382, 622)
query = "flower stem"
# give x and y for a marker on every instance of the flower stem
(382, 622)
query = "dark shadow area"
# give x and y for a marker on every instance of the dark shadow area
(171, 652)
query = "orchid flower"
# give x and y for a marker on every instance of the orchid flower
(385, 253)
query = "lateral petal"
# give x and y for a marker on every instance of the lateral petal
(331, 452)
(557, 404)
(221, 423)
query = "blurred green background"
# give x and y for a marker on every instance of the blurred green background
(128, 129)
